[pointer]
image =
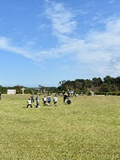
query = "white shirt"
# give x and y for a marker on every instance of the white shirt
(29, 101)
(45, 99)
(55, 99)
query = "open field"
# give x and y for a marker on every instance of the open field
(88, 129)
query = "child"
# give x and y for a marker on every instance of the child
(49, 100)
(37, 102)
(55, 99)
(65, 97)
(45, 100)
(29, 103)
(32, 98)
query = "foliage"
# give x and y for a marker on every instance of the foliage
(28, 90)
(97, 85)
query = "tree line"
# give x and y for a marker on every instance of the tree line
(107, 85)
(29, 90)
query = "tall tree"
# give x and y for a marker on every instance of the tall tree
(97, 82)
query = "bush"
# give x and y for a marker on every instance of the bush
(108, 93)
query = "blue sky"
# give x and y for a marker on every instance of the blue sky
(43, 42)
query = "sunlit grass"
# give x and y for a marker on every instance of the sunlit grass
(88, 129)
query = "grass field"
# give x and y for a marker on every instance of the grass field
(88, 129)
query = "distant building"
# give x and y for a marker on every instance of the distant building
(11, 91)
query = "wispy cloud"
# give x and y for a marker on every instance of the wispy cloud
(62, 20)
(99, 49)
(6, 44)
(112, 1)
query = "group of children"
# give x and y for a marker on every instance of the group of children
(46, 101)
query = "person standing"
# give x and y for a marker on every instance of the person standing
(49, 100)
(29, 103)
(55, 99)
(65, 97)
(37, 103)
(45, 100)
(32, 98)
(0, 95)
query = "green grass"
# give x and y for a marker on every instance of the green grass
(88, 129)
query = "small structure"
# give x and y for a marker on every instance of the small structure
(11, 91)
(23, 89)
(91, 93)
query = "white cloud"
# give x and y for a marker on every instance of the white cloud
(6, 44)
(98, 49)
(62, 19)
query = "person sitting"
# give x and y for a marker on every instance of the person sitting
(45, 101)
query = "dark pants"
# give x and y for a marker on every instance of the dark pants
(44, 102)
(32, 100)
(37, 104)
(65, 97)
(29, 105)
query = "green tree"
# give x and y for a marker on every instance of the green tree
(104, 88)
(97, 82)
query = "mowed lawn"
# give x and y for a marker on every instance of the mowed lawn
(88, 129)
